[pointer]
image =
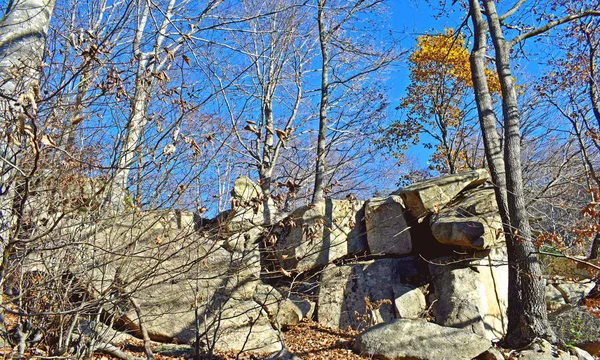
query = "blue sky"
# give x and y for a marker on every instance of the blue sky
(410, 19)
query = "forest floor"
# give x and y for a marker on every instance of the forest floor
(309, 340)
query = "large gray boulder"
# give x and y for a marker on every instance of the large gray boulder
(430, 196)
(283, 310)
(248, 208)
(170, 273)
(472, 294)
(316, 235)
(418, 339)
(470, 220)
(362, 294)
(563, 291)
(387, 227)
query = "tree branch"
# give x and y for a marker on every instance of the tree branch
(512, 10)
(587, 263)
(550, 25)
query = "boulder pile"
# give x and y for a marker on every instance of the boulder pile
(422, 272)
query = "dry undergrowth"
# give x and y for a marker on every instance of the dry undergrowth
(309, 340)
(313, 341)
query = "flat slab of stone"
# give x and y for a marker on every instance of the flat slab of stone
(387, 227)
(318, 234)
(471, 220)
(472, 294)
(418, 339)
(428, 197)
(360, 295)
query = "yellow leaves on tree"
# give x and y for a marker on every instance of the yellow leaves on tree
(441, 58)
(439, 100)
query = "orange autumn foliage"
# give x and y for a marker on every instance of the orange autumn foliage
(438, 102)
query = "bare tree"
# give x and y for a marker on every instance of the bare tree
(152, 61)
(527, 311)
(265, 85)
(572, 89)
(335, 23)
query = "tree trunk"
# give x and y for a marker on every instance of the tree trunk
(265, 170)
(318, 194)
(135, 127)
(23, 32)
(527, 316)
(595, 252)
(491, 140)
(485, 109)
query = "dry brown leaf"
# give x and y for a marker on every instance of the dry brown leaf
(13, 140)
(281, 134)
(170, 54)
(47, 140)
(77, 120)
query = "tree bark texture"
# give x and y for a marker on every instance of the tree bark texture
(318, 194)
(135, 127)
(527, 315)
(23, 32)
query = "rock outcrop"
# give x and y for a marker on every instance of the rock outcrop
(382, 266)
(388, 230)
(429, 196)
(471, 220)
(472, 293)
(362, 294)
(187, 280)
(419, 339)
(321, 233)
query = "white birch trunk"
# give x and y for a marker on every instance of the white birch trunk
(135, 127)
(23, 32)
